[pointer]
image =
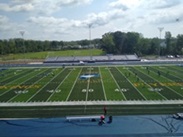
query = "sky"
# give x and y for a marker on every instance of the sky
(69, 20)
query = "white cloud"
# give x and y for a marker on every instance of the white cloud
(142, 12)
(99, 19)
(3, 19)
(6, 26)
(125, 4)
(72, 2)
(51, 6)
(164, 15)
(16, 8)
(48, 17)
(39, 6)
(52, 24)
(4, 23)
(22, 1)
(104, 18)
(160, 4)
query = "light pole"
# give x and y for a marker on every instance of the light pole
(22, 32)
(89, 26)
(160, 31)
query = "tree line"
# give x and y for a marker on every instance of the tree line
(132, 42)
(112, 43)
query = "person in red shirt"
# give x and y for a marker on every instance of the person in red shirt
(105, 110)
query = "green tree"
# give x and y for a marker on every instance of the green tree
(1, 47)
(143, 47)
(120, 41)
(107, 43)
(168, 36)
(132, 42)
(179, 45)
(155, 47)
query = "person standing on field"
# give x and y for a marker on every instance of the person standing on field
(105, 110)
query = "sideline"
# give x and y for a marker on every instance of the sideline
(75, 103)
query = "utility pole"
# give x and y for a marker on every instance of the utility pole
(89, 26)
(160, 31)
(22, 32)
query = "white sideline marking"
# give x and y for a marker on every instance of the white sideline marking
(137, 102)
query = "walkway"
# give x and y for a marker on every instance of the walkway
(126, 126)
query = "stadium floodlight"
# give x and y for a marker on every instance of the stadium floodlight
(22, 32)
(89, 26)
(160, 31)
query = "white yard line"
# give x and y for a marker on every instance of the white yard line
(151, 87)
(58, 86)
(102, 84)
(117, 84)
(166, 86)
(43, 87)
(26, 88)
(12, 82)
(132, 84)
(73, 85)
(88, 86)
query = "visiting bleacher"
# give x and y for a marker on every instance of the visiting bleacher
(92, 59)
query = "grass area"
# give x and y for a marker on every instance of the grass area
(43, 55)
(88, 83)
(101, 83)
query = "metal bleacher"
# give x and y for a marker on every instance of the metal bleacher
(118, 57)
(93, 59)
(131, 57)
(82, 58)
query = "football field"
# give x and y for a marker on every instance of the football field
(86, 83)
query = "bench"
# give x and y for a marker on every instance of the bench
(69, 118)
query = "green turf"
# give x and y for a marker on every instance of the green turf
(112, 83)
(121, 83)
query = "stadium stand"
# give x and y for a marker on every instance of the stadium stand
(131, 57)
(92, 59)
